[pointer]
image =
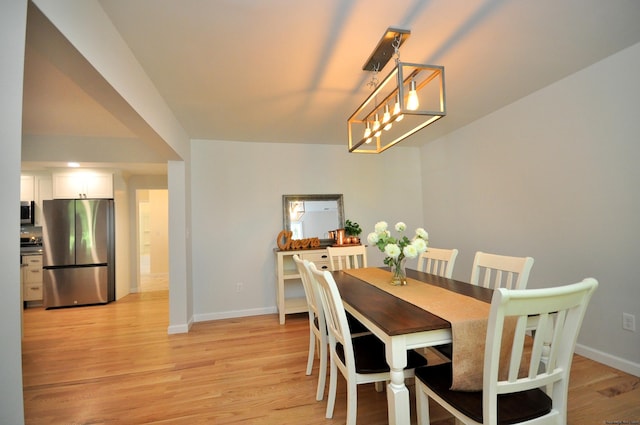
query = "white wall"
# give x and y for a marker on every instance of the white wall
(180, 273)
(554, 176)
(12, 42)
(124, 256)
(88, 29)
(237, 210)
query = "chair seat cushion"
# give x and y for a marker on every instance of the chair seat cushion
(445, 349)
(355, 326)
(369, 354)
(512, 408)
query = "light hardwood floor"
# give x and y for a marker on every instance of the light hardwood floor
(154, 282)
(115, 364)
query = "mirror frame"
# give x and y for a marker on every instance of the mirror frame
(286, 199)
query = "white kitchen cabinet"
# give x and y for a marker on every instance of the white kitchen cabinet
(43, 191)
(82, 185)
(27, 188)
(290, 292)
(36, 187)
(32, 278)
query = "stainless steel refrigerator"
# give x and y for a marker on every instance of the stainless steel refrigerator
(79, 252)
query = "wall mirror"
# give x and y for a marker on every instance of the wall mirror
(313, 216)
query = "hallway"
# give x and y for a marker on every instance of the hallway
(151, 281)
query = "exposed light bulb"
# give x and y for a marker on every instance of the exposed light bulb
(367, 133)
(412, 101)
(396, 109)
(376, 127)
(376, 124)
(386, 118)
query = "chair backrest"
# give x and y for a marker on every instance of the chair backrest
(310, 292)
(334, 312)
(438, 261)
(347, 257)
(500, 271)
(559, 312)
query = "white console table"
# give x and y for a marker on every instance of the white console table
(288, 276)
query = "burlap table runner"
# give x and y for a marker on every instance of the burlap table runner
(468, 317)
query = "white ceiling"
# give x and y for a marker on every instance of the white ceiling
(291, 70)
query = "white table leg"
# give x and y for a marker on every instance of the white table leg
(397, 392)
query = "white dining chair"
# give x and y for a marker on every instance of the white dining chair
(500, 271)
(317, 326)
(494, 271)
(360, 360)
(344, 258)
(535, 398)
(438, 261)
(347, 257)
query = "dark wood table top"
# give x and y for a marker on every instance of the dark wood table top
(395, 316)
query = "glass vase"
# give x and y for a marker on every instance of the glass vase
(398, 273)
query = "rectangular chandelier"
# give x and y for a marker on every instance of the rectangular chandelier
(411, 97)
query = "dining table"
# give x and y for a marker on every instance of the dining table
(401, 325)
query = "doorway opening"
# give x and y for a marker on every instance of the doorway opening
(153, 239)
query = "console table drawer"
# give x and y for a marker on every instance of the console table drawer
(320, 259)
(316, 257)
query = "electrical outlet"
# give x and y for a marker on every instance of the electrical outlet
(239, 286)
(629, 322)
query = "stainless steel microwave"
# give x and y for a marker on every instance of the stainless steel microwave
(27, 212)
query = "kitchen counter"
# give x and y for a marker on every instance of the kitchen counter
(31, 241)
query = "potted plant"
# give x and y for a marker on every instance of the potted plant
(352, 231)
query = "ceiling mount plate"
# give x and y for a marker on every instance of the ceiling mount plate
(385, 50)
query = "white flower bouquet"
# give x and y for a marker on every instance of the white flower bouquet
(397, 250)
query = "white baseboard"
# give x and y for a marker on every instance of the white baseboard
(184, 328)
(180, 329)
(609, 360)
(205, 317)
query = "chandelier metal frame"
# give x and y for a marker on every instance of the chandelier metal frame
(424, 82)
